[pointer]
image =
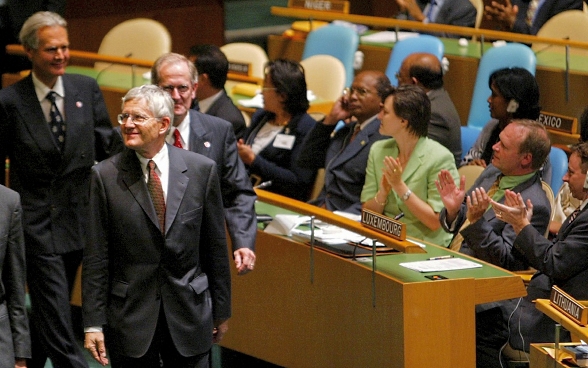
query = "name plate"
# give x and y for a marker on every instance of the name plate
(321, 5)
(560, 123)
(384, 224)
(239, 68)
(569, 306)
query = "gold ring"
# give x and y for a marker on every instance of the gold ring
(394, 170)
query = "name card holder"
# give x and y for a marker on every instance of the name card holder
(334, 6)
(558, 123)
(570, 307)
(383, 224)
(240, 68)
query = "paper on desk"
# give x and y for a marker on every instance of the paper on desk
(283, 224)
(257, 100)
(437, 265)
(387, 36)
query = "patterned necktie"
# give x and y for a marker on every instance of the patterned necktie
(156, 193)
(56, 123)
(574, 215)
(531, 10)
(356, 130)
(177, 139)
(458, 238)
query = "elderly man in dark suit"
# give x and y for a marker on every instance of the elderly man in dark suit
(15, 344)
(156, 274)
(424, 70)
(53, 128)
(562, 261)
(344, 152)
(212, 137)
(213, 66)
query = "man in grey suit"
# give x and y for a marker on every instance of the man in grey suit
(424, 70)
(156, 273)
(51, 147)
(213, 138)
(212, 66)
(15, 344)
(518, 155)
(451, 12)
(562, 262)
(344, 152)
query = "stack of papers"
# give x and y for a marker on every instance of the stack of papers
(450, 264)
(387, 36)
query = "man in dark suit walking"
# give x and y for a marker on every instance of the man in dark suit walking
(156, 273)
(15, 344)
(213, 138)
(53, 127)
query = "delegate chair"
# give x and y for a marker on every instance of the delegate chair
(471, 173)
(559, 165)
(325, 76)
(138, 38)
(479, 5)
(468, 138)
(403, 48)
(248, 53)
(335, 40)
(570, 24)
(507, 56)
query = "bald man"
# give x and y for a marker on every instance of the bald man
(425, 70)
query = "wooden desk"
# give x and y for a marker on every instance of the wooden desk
(577, 331)
(303, 309)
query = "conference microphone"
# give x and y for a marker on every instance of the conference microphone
(110, 65)
(263, 185)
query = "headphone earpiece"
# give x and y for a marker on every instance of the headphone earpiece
(513, 106)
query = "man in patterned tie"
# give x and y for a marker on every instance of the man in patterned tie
(520, 152)
(527, 16)
(160, 287)
(562, 262)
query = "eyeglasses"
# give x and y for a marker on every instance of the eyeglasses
(181, 88)
(361, 92)
(135, 119)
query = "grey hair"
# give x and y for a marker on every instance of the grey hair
(172, 58)
(159, 101)
(29, 33)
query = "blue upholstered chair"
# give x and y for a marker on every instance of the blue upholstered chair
(338, 41)
(507, 56)
(468, 138)
(403, 48)
(559, 165)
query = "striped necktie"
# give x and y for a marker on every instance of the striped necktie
(531, 11)
(156, 192)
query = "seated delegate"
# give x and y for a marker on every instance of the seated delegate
(401, 171)
(271, 145)
(451, 12)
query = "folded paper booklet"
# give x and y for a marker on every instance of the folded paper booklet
(449, 264)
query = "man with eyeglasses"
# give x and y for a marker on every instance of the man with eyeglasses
(156, 273)
(424, 70)
(344, 152)
(214, 138)
(53, 128)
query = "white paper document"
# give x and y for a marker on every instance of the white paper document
(437, 265)
(387, 36)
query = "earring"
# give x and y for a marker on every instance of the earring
(513, 106)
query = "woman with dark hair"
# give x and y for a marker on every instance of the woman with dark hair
(401, 171)
(515, 95)
(271, 145)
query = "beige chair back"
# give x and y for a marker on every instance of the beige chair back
(139, 38)
(551, 197)
(570, 24)
(325, 76)
(479, 5)
(248, 53)
(471, 173)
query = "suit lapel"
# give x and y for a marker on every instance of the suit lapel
(199, 136)
(415, 161)
(175, 192)
(361, 140)
(74, 116)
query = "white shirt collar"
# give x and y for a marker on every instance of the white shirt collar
(42, 90)
(161, 160)
(184, 129)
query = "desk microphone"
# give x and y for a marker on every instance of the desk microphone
(111, 64)
(263, 185)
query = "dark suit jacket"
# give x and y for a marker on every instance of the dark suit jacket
(14, 325)
(562, 262)
(131, 270)
(547, 10)
(279, 164)
(491, 239)
(445, 125)
(214, 138)
(457, 13)
(344, 165)
(224, 108)
(53, 185)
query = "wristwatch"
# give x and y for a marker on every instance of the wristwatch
(406, 195)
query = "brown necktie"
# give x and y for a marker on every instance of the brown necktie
(156, 193)
(356, 130)
(177, 139)
(458, 238)
(573, 215)
(56, 123)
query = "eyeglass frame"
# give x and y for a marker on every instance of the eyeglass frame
(361, 92)
(182, 88)
(122, 119)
